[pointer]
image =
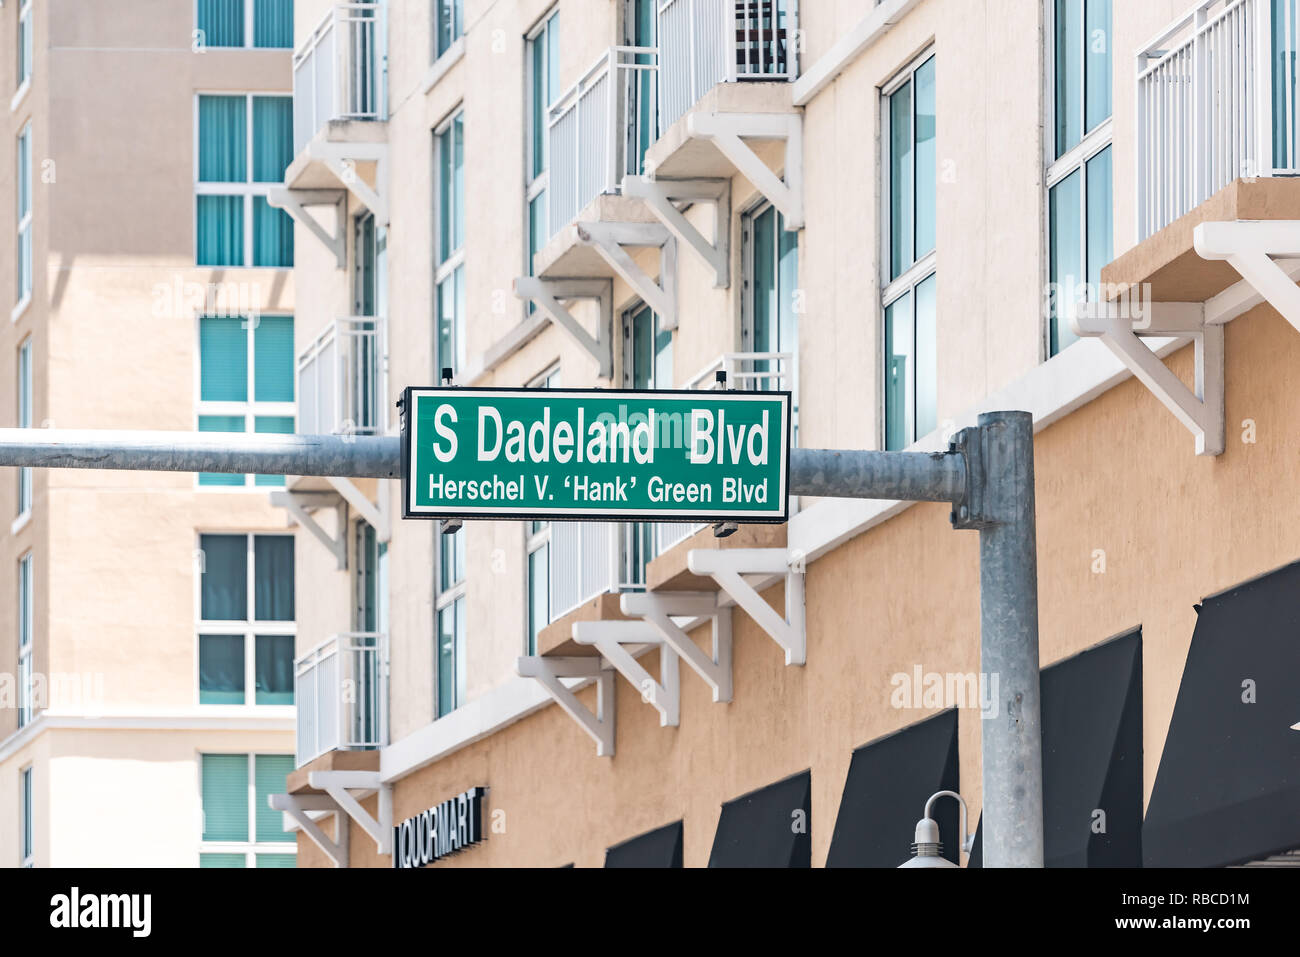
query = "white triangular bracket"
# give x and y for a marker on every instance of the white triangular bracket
(295, 203)
(661, 197)
(729, 568)
(662, 610)
(1121, 328)
(300, 505)
(339, 785)
(548, 672)
(728, 132)
(341, 159)
(375, 513)
(297, 807)
(1250, 247)
(612, 638)
(550, 294)
(610, 241)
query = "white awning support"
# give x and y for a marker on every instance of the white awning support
(549, 671)
(728, 567)
(728, 132)
(297, 807)
(375, 513)
(341, 159)
(549, 294)
(612, 639)
(1251, 247)
(610, 240)
(661, 197)
(300, 505)
(660, 609)
(295, 203)
(339, 785)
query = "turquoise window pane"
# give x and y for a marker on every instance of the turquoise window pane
(24, 174)
(272, 137)
(900, 181)
(273, 577)
(222, 149)
(273, 362)
(221, 669)
(927, 356)
(446, 660)
(552, 59)
(1065, 254)
(537, 234)
(451, 189)
(222, 22)
(458, 182)
(270, 772)
(540, 99)
(224, 593)
(273, 23)
(663, 356)
(449, 26)
(926, 171)
(1101, 218)
(222, 860)
(223, 360)
(274, 425)
(642, 348)
(451, 560)
(273, 669)
(225, 797)
(272, 236)
(221, 423)
(539, 594)
(220, 231)
(277, 860)
(1068, 46)
(1097, 65)
(899, 373)
(1285, 26)
(764, 281)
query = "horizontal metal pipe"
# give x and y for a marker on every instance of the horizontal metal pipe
(903, 476)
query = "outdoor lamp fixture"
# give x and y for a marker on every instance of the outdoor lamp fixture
(925, 849)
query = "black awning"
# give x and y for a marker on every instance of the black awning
(1228, 786)
(661, 847)
(1092, 758)
(888, 783)
(766, 828)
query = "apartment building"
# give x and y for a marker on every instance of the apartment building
(905, 213)
(148, 632)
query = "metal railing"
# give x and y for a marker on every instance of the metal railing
(336, 72)
(706, 42)
(341, 690)
(340, 379)
(1216, 100)
(598, 130)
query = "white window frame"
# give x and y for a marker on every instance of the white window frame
(26, 639)
(248, 628)
(26, 267)
(536, 540)
(536, 185)
(250, 29)
(1092, 143)
(443, 600)
(248, 189)
(921, 269)
(25, 395)
(250, 409)
(24, 53)
(250, 848)
(445, 268)
(26, 818)
(457, 18)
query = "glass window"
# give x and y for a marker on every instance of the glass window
(25, 421)
(449, 149)
(771, 324)
(24, 51)
(246, 619)
(1080, 241)
(910, 116)
(543, 69)
(450, 637)
(538, 551)
(236, 224)
(273, 23)
(24, 251)
(28, 848)
(246, 384)
(449, 24)
(240, 829)
(26, 602)
(911, 365)
(227, 23)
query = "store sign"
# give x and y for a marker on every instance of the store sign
(431, 835)
(595, 454)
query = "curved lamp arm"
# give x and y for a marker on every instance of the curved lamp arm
(967, 840)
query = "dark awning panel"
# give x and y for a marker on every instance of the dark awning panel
(1228, 786)
(661, 847)
(888, 784)
(1092, 758)
(766, 828)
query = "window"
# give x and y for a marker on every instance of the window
(26, 596)
(362, 343)
(246, 23)
(28, 839)
(449, 160)
(771, 258)
(642, 31)
(246, 620)
(370, 622)
(24, 54)
(25, 421)
(450, 637)
(647, 364)
(244, 145)
(240, 829)
(246, 383)
(538, 552)
(448, 24)
(24, 257)
(543, 72)
(1079, 190)
(911, 354)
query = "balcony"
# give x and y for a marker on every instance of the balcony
(340, 379)
(336, 72)
(341, 689)
(1216, 102)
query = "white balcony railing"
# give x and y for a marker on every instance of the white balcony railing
(341, 690)
(706, 42)
(599, 129)
(340, 379)
(336, 71)
(1216, 100)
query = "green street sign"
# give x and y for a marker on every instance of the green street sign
(595, 454)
